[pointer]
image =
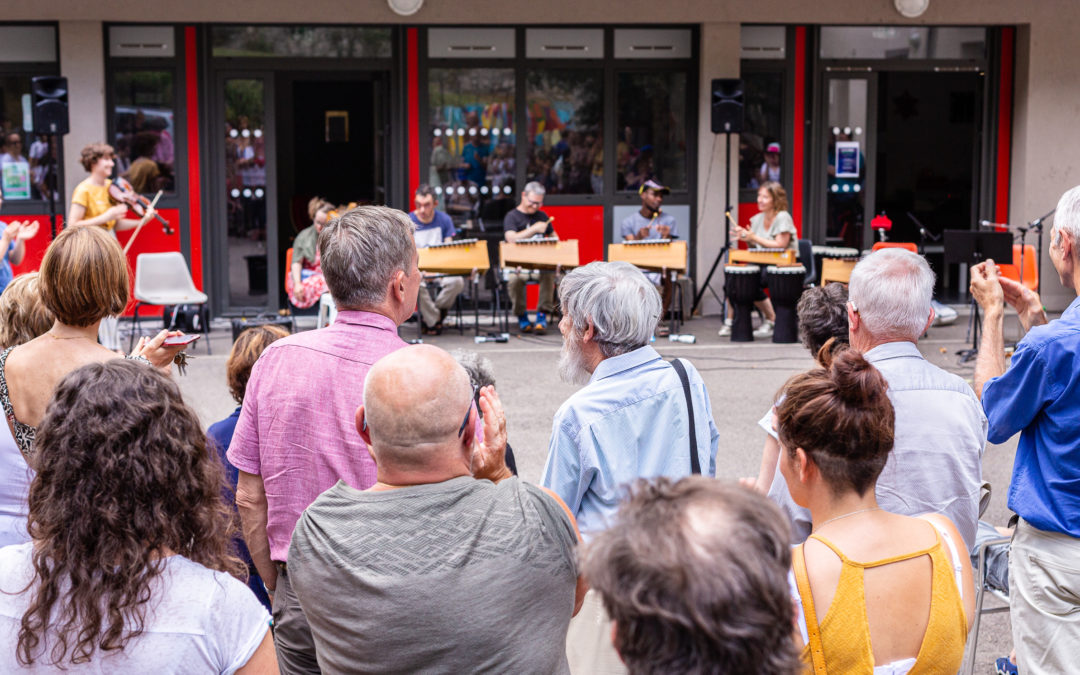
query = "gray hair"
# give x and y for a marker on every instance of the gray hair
(362, 250)
(480, 369)
(1067, 216)
(534, 188)
(623, 306)
(822, 312)
(891, 290)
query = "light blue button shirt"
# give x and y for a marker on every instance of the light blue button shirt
(628, 422)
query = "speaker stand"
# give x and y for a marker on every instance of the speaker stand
(727, 231)
(50, 183)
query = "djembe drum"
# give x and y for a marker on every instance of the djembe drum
(785, 289)
(741, 285)
(819, 255)
(842, 253)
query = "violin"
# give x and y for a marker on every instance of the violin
(121, 192)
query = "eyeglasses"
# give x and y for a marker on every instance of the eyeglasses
(532, 202)
(468, 411)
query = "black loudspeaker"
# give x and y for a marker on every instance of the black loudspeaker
(727, 106)
(50, 104)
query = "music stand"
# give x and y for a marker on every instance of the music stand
(967, 247)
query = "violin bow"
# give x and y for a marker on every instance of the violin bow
(142, 222)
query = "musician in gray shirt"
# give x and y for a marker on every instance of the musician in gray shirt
(650, 223)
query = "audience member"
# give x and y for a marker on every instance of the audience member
(249, 345)
(447, 563)
(630, 420)
(866, 598)
(1037, 396)
(694, 575)
(434, 227)
(306, 282)
(23, 314)
(129, 567)
(482, 374)
(527, 221)
(294, 438)
(649, 223)
(13, 245)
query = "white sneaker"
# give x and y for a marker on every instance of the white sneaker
(765, 329)
(725, 330)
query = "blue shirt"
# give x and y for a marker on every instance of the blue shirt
(1039, 396)
(628, 422)
(6, 274)
(438, 230)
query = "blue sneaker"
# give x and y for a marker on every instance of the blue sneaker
(524, 325)
(1004, 666)
(541, 323)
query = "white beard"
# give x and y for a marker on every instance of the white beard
(572, 368)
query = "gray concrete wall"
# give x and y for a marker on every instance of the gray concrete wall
(82, 62)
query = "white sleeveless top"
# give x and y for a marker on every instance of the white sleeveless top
(15, 477)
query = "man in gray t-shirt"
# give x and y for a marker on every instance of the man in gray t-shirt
(649, 222)
(448, 563)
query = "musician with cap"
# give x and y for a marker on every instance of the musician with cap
(649, 222)
(527, 221)
(433, 227)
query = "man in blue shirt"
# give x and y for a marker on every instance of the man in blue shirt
(1039, 396)
(433, 227)
(629, 421)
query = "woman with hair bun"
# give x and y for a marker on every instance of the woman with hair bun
(871, 584)
(129, 568)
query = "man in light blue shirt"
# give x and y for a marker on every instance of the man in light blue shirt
(1039, 397)
(630, 420)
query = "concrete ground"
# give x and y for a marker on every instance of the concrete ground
(742, 380)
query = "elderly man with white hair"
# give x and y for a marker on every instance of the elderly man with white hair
(447, 563)
(1039, 397)
(637, 416)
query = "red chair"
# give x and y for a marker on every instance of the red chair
(1031, 269)
(914, 248)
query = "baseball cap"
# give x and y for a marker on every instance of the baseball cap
(773, 147)
(653, 185)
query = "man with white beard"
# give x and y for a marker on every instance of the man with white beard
(636, 417)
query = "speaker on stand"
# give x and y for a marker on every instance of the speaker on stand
(49, 111)
(727, 119)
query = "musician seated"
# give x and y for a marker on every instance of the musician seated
(527, 221)
(650, 223)
(433, 227)
(305, 284)
(771, 228)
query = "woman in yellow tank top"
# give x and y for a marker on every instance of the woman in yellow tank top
(879, 592)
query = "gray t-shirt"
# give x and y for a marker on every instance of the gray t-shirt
(463, 576)
(635, 222)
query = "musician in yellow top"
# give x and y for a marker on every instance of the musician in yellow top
(772, 227)
(650, 223)
(90, 205)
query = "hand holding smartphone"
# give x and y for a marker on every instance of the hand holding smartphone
(174, 340)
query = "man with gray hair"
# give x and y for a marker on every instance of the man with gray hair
(636, 417)
(447, 563)
(1038, 395)
(527, 221)
(294, 438)
(940, 429)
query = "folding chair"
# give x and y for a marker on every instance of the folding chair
(164, 279)
(982, 587)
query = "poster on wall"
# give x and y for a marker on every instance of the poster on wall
(847, 159)
(16, 180)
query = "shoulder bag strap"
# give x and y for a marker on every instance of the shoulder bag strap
(695, 463)
(817, 656)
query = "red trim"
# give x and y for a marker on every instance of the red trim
(1004, 130)
(191, 83)
(799, 135)
(412, 60)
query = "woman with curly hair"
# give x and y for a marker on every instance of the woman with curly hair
(129, 567)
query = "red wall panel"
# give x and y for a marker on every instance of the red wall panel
(584, 223)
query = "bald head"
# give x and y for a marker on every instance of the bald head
(414, 401)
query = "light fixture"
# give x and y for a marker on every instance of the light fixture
(405, 7)
(911, 8)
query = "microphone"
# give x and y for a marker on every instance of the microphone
(987, 223)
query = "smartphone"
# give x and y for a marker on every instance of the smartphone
(174, 340)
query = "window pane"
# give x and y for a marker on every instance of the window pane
(652, 129)
(566, 142)
(759, 143)
(473, 141)
(24, 157)
(143, 106)
(245, 187)
(344, 42)
(902, 42)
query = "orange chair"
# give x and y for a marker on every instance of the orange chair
(914, 248)
(288, 261)
(1031, 269)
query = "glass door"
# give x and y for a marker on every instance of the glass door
(245, 231)
(846, 179)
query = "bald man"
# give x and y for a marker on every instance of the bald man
(449, 562)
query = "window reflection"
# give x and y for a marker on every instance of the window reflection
(566, 142)
(24, 157)
(245, 187)
(143, 106)
(760, 152)
(652, 129)
(472, 141)
(346, 42)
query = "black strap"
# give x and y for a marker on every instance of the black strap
(695, 465)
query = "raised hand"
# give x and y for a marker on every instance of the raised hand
(489, 457)
(1025, 301)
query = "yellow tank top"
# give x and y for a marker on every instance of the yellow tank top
(841, 642)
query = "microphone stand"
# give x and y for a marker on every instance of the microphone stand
(1037, 226)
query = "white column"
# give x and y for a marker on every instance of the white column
(82, 62)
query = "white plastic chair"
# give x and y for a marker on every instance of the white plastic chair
(327, 311)
(164, 279)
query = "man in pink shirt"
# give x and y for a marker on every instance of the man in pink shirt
(296, 434)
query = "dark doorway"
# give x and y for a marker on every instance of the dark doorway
(928, 130)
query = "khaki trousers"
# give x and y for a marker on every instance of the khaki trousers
(588, 641)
